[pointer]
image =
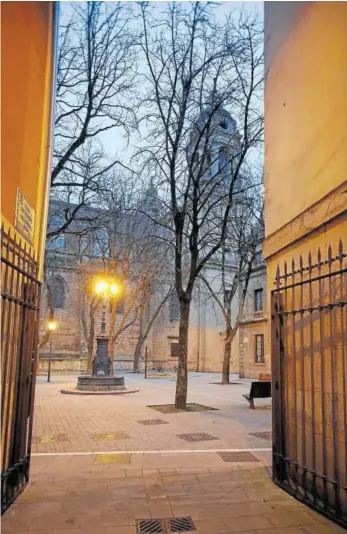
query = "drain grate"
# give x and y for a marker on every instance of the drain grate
(50, 438)
(263, 435)
(180, 524)
(166, 526)
(197, 436)
(153, 422)
(148, 526)
(238, 457)
(110, 436)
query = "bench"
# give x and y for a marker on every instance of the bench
(259, 390)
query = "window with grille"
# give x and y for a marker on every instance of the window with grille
(258, 300)
(259, 348)
(174, 350)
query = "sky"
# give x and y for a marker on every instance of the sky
(113, 141)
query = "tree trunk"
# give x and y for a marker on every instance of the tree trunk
(137, 354)
(139, 344)
(227, 356)
(182, 371)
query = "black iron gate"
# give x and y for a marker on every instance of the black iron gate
(20, 293)
(309, 359)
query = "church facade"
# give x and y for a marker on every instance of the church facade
(65, 281)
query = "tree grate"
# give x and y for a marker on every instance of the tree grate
(153, 422)
(190, 407)
(165, 526)
(197, 436)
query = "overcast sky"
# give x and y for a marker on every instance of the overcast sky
(113, 141)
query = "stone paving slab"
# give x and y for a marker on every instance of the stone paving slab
(75, 495)
(79, 419)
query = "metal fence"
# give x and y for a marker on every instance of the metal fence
(309, 362)
(20, 293)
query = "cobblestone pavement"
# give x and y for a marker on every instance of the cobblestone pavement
(107, 494)
(110, 423)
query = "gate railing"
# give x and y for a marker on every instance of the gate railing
(309, 362)
(20, 291)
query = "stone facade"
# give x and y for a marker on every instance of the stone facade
(205, 339)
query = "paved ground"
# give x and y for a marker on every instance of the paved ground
(91, 494)
(110, 423)
(85, 485)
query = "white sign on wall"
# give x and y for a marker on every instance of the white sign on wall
(25, 217)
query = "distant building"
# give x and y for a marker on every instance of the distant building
(205, 345)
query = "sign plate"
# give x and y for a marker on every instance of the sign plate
(25, 217)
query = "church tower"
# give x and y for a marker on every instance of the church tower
(220, 144)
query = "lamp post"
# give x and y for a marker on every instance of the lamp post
(52, 325)
(102, 365)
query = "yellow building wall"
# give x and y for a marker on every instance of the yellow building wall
(306, 210)
(305, 111)
(27, 37)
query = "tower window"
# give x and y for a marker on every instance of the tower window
(58, 292)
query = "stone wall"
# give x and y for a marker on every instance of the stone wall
(62, 364)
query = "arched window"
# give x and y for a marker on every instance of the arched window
(58, 292)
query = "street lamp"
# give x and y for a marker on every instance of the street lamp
(52, 325)
(104, 287)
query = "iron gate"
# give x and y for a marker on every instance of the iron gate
(20, 293)
(309, 359)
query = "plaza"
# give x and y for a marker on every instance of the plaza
(102, 464)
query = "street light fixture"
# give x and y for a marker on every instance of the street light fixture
(104, 287)
(52, 325)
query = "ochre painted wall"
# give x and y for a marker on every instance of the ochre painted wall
(305, 106)
(27, 57)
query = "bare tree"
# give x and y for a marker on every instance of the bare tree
(95, 80)
(196, 70)
(236, 261)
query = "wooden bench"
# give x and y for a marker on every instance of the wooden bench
(259, 390)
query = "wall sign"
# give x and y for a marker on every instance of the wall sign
(25, 217)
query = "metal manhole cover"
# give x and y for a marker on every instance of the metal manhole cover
(238, 457)
(153, 422)
(197, 436)
(263, 435)
(50, 438)
(110, 436)
(166, 526)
